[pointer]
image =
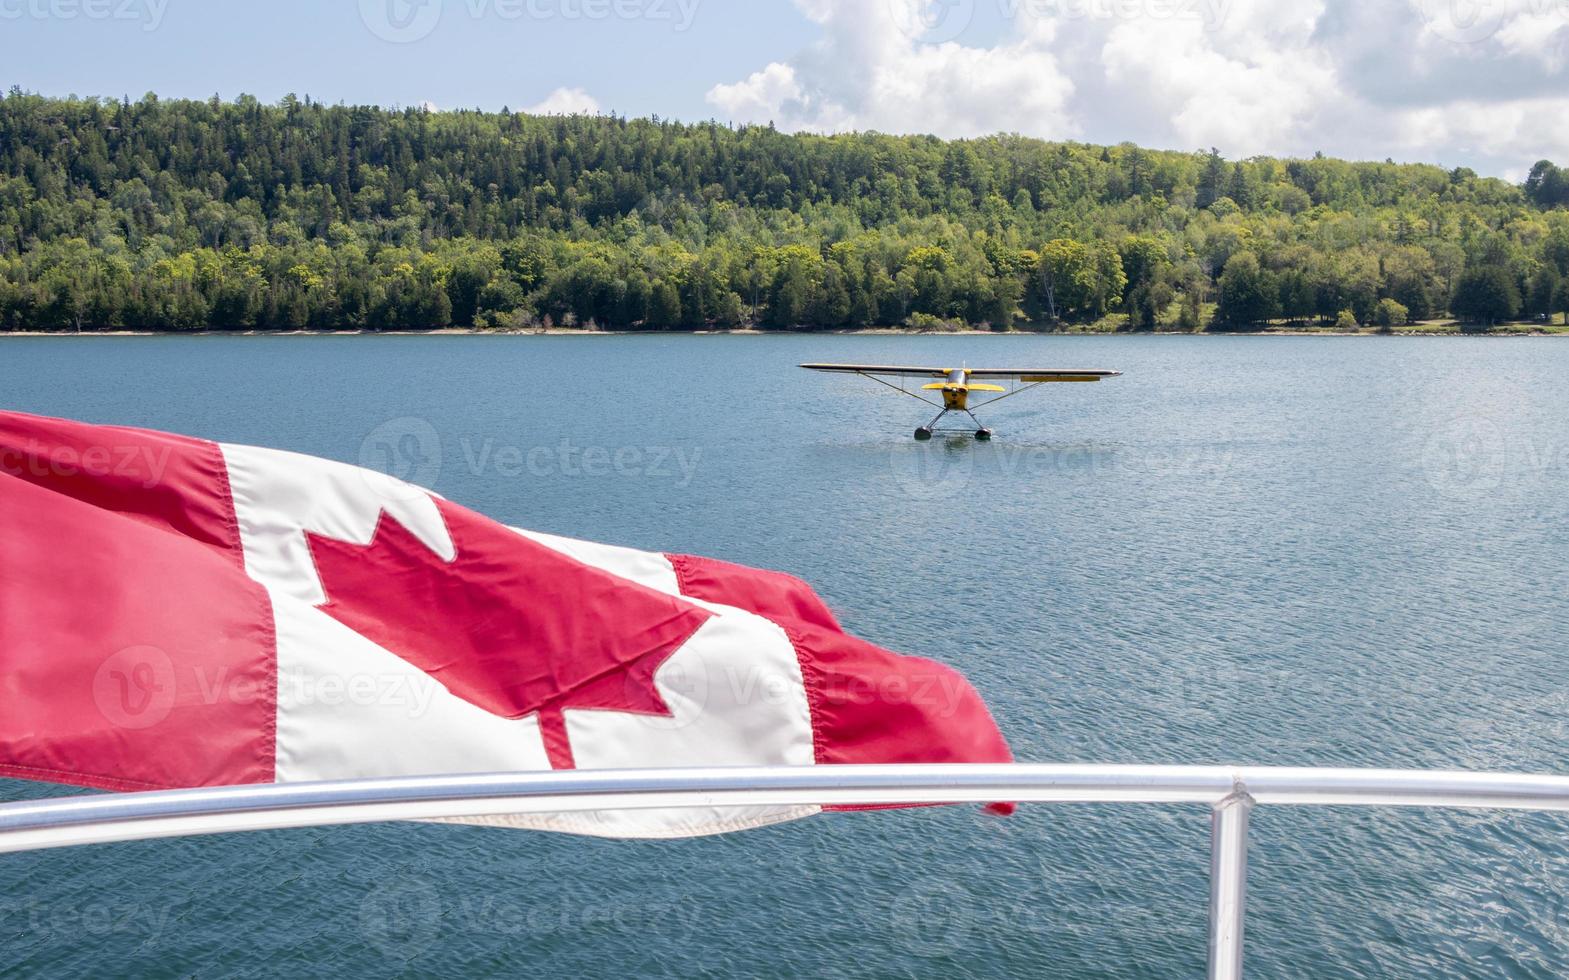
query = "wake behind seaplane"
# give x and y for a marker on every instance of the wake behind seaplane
(958, 384)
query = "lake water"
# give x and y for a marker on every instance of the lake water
(1291, 551)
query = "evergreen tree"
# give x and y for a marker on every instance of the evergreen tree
(664, 307)
(1249, 294)
(1548, 185)
(1544, 291)
(1212, 182)
(1486, 295)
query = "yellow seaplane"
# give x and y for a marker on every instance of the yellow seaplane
(958, 384)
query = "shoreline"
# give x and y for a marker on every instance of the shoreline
(865, 332)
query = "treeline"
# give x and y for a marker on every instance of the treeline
(188, 215)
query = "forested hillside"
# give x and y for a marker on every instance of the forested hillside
(188, 215)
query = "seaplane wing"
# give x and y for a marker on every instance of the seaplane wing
(1042, 376)
(881, 370)
(1025, 375)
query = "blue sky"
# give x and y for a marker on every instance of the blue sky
(1483, 83)
(324, 47)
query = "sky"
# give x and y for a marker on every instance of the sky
(1479, 83)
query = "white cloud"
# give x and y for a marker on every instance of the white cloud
(1250, 84)
(1542, 35)
(1446, 80)
(868, 73)
(565, 102)
(1514, 133)
(773, 94)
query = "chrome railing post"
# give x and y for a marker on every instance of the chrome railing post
(1228, 884)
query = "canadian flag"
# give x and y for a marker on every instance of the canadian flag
(177, 613)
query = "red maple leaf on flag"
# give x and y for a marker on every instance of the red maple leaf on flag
(509, 625)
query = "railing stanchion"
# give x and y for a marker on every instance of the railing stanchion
(1228, 883)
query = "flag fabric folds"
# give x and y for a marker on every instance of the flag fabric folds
(177, 613)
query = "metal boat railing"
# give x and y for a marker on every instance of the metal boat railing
(1231, 792)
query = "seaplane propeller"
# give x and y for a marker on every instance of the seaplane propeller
(958, 384)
